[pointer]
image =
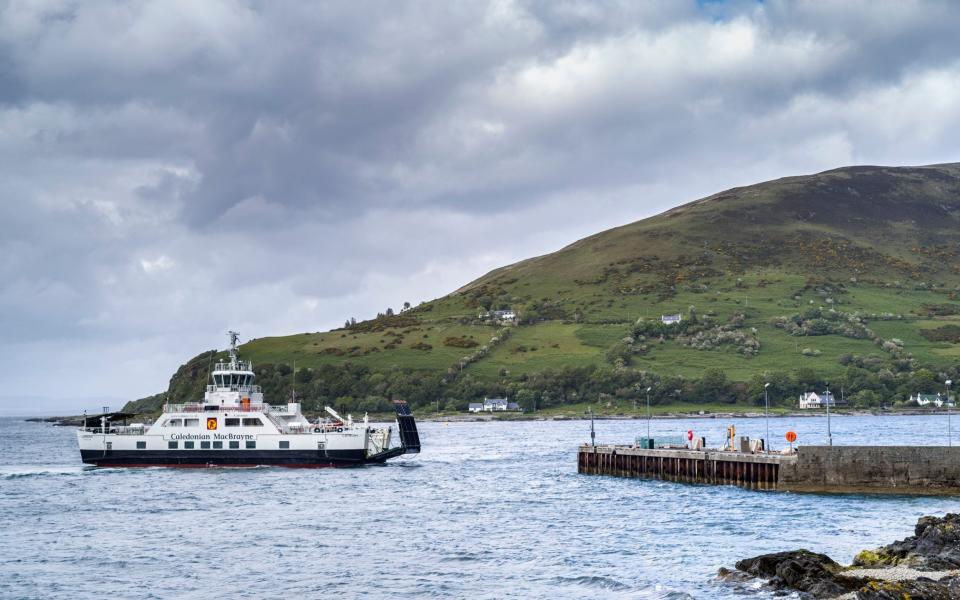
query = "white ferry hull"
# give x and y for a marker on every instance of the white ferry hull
(230, 458)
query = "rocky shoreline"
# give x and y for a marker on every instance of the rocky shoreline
(924, 566)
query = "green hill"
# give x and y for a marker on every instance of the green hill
(848, 276)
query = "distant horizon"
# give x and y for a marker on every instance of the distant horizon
(57, 407)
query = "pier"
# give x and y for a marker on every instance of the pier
(927, 470)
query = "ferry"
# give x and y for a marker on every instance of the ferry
(234, 427)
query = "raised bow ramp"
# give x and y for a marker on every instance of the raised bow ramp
(409, 436)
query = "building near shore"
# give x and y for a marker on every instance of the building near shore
(818, 400)
(494, 405)
(931, 400)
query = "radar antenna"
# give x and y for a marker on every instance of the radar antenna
(234, 336)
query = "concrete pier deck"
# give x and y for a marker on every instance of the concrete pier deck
(927, 470)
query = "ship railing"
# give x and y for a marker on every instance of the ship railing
(200, 407)
(240, 366)
(118, 429)
(249, 389)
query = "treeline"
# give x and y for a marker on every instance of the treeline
(354, 388)
(867, 381)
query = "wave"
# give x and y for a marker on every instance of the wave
(7, 473)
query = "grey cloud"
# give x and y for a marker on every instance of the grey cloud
(170, 170)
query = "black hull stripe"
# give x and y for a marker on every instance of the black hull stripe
(225, 458)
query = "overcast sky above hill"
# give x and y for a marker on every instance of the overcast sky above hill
(171, 170)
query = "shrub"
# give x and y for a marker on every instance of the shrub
(460, 342)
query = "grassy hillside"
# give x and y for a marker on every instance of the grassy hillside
(849, 276)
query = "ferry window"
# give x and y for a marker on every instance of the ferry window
(141, 445)
(172, 445)
(251, 444)
(252, 422)
(284, 445)
(234, 445)
(191, 422)
(217, 445)
(174, 423)
(205, 445)
(188, 445)
(231, 422)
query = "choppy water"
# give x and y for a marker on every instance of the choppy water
(489, 510)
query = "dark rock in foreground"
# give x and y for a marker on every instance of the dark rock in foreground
(918, 589)
(935, 545)
(816, 574)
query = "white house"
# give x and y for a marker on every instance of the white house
(499, 315)
(494, 404)
(815, 400)
(475, 407)
(671, 319)
(928, 399)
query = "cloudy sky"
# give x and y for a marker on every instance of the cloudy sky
(169, 170)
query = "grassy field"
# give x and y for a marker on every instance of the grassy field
(761, 296)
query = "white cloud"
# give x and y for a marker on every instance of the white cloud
(161, 263)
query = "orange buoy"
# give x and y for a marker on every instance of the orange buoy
(791, 436)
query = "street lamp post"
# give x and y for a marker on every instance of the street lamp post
(593, 435)
(829, 433)
(949, 429)
(766, 414)
(648, 414)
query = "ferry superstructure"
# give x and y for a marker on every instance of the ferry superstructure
(234, 427)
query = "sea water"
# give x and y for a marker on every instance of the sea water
(487, 510)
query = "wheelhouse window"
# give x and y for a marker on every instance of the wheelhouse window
(231, 422)
(172, 445)
(173, 423)
(254, 422)
(234, 445)
(191, 422)
(284, 445)
(141, 445)
(188, 445)
(251, 444)
(204, 445)
(217, 445)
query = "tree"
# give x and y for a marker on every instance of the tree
(713, 386)
(924, 381)
(806, 378)
(389, 312)
(406, 306)
(620, 351)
